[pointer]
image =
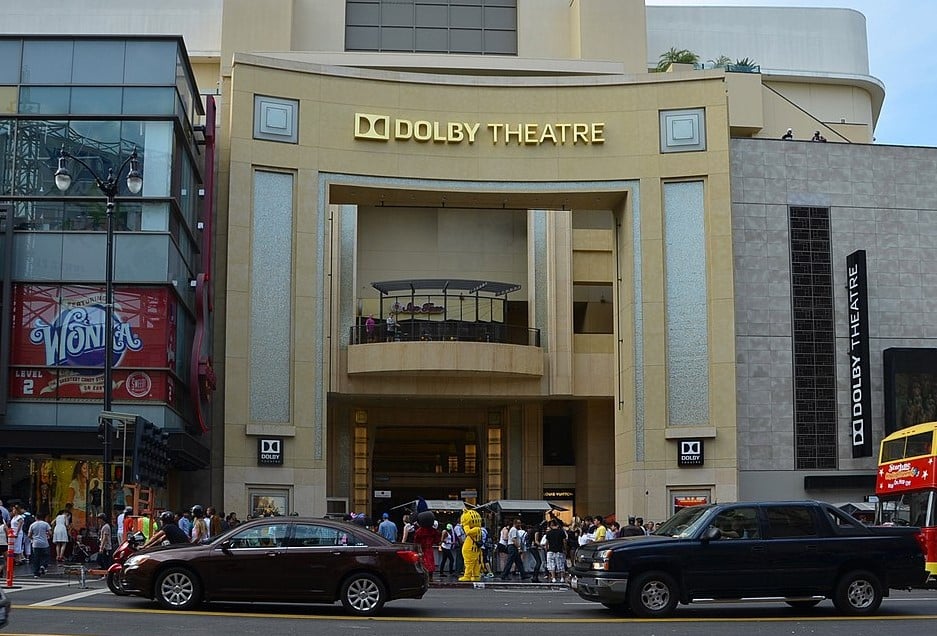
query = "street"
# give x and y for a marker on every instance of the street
(54, 606)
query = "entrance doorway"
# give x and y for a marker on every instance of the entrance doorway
(409, 462)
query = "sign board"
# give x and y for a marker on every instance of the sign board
(860, 376)
(690, 452)
(468, 494)
(382, 494)
(270, 451)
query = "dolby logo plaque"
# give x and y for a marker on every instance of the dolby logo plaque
(270, 451)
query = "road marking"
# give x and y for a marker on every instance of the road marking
(65, 599)
(474, 619)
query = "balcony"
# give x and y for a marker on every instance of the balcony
(446, 348)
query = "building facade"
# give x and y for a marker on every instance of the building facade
(476, 250)
(84, 105)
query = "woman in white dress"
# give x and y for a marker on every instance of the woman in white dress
(60, 535)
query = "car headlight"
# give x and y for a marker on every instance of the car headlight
(602, 560)
(136, 559)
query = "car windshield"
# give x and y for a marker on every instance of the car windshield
(683, 523)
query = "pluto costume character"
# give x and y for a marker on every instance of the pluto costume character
(471, 548)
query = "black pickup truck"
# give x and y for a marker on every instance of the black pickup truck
(798, 552)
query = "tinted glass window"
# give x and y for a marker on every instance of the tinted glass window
(10, 61)
(151, 63)
(265, 536)
(47, 62)
(790, 521)
(309, 536)
(47, 100)
(738, 523)
(98, 62)
(96, 101)
(843, 523)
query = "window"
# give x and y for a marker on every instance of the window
(592, 308)
(310, 536)
(558, 442)
(845, 524)
(265, 536)
(738, 523)
(473, 27)
(790, 521)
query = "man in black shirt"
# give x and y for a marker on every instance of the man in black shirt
(169, 531)
(556, 551)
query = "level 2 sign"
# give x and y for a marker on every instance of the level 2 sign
(270, 451)
(690, 452)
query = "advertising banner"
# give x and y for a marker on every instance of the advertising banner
(58, 343)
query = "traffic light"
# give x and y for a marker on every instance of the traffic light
(150, 454)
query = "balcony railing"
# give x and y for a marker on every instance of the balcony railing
(446, 330)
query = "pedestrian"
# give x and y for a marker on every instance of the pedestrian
(17, 520)
(120, 523)
(185, 522)
(556, 551)
(40, 538)
(60, 534)
(632, 529)
(369, 327)
(105, 544)
(387, 528)
(199, 525)
(408, 530)
(391, 326)
(3, 545)
(458, 538)
(515, 552)
(445, 547)
(532, 542)
(600, 529)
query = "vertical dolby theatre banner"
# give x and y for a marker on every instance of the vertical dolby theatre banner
(58, 343)
(860, 381)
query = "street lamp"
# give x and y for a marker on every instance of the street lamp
(109, 186)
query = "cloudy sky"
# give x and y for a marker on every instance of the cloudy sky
(900, 32)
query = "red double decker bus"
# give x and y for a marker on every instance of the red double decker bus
(906, 485)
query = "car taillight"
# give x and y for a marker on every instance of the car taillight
(408, 555)
(602, 560)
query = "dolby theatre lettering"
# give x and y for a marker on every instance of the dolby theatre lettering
(386, 128)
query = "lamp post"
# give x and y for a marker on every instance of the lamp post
(109, 186)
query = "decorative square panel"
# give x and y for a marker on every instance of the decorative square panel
(276, 119)
(683, 130)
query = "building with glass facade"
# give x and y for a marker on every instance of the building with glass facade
(99, 99)
(482, 250)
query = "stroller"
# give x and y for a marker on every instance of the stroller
(78, 551)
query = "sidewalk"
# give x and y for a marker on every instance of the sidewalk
(58, 571)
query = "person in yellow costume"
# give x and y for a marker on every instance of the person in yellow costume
(471, 548)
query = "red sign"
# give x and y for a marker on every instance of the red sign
(906, 474)
(686, 502)
(58, 343)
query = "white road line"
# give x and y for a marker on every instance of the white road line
(65, 599)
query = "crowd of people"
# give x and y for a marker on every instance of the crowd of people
(527, 552)
(39, 541)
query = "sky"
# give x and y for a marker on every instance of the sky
(900, 32)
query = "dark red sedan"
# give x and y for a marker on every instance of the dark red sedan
(284, 560)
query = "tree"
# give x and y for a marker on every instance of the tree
(721, 62)
(676, 56)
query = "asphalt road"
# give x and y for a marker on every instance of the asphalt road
(50, 606)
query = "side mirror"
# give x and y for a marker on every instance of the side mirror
(711, 534)
(225, 546)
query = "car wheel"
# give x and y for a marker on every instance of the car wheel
(802, 604)
(363, 594)
(858, 593)
(653, 594)
(178, 589)
(113, 584)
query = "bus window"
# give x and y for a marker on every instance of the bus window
(893, 450)
(919, 444)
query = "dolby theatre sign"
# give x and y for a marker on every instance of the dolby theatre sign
(386, 128)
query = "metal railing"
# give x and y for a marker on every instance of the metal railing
(445, 331)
